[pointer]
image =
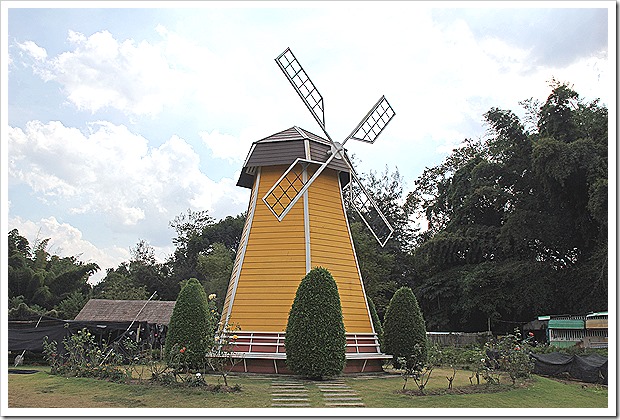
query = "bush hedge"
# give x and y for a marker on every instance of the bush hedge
(315, 334)
(404, 327)
(190, 333)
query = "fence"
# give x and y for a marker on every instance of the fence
(458, 339)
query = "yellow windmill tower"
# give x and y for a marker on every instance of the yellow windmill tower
(296, 220)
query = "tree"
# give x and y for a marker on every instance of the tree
(69, 307)
(520, 211)
(197, 234)
(315, 334)
(376, 322)
(190, 331)
(41, 278)
(376, 265)
(384, 269)
(189, 243)
(404, 331)
(216, 267)
(118, 284)
(144, 271)
(227, 232)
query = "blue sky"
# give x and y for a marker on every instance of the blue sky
(116, 120)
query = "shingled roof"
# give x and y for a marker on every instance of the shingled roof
(104, 310)
(283, 148)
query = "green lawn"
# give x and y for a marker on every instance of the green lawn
(42, 390)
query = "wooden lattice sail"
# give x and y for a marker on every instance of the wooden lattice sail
(276, 253)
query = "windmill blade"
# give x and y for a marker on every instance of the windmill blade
(283, 195)
(303, 85)
(368, 210)
(374, 122)
(290, 187)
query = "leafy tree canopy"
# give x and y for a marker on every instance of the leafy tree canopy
(41, 282)
(516, 219)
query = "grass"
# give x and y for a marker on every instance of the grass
(42, 390)
(540, 393)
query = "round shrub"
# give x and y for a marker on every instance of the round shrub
(404, 328)
(190, 331)
(315, 334)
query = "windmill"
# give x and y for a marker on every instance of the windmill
(297, 220)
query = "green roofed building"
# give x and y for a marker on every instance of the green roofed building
(571, 330)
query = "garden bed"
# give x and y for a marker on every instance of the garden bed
(465, 390)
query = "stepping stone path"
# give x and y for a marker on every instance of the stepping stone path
(336, 393)
(289, 394)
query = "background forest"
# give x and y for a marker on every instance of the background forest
(515, 225)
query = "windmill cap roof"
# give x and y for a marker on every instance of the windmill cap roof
(283, 148)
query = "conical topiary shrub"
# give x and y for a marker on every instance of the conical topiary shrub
(315, 334)
(404, 327)
(190, 332)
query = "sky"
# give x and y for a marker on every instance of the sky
(117, 117)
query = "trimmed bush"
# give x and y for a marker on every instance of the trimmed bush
(376, 322)
(190, 332)
(404, 328)
(315, 334)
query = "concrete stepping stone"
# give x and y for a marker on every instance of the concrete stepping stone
(290, 404)
(357, 404)
(339, 394)
(289, 394)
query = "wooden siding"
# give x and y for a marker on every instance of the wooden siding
(273, 265)
(330, 245)
(318, 152)
(274, 260)
(277, 153)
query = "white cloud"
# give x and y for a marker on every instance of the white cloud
(36, 52)
(113, 172)
(225, 146)
(101, 72)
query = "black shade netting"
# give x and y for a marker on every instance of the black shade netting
(591, 368)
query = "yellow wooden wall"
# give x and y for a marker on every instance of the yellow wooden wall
(274, 261)
(330, 246)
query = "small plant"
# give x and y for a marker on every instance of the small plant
(418, 366)
(509, 354)
(514, 356)
(82, 357)
(195, 380)
(445, 358)
(221, 357)
(477, 365)
(488, 368)
(50, 354)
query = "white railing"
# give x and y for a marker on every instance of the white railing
(274, 342)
